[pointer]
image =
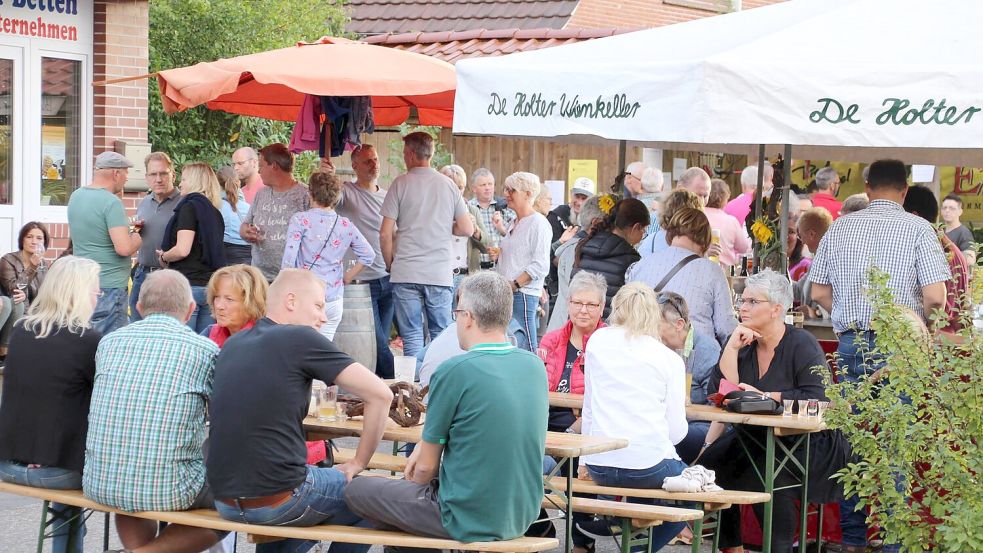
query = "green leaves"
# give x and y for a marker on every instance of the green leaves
(917, 430)
(185, 32)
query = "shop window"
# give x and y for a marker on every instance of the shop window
(6, 130)
(61, 129)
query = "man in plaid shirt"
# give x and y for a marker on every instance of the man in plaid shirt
(143, 450)
(899, 243)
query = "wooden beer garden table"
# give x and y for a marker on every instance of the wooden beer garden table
(558, 444)
(775, 425)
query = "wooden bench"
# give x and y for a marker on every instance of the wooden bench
(208, 518)
(632, 517)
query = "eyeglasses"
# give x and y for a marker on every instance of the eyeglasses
(509, 190)
(580, 306)
(753, 302)
(664, 298)
(158, 175)
(455, 312)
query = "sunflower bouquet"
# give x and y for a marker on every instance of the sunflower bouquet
(766, 235)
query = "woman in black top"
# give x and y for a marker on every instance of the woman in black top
(47, 384)
(609, 247)
(192, 242)
(768, 356)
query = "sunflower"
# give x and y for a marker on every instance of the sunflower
(606, 203)
(762, 231)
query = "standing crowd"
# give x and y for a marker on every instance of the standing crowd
(238, 289)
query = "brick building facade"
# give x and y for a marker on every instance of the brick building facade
(48, 78)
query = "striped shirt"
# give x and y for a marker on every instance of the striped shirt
(903, 245)
(147, 417)
(486, 214)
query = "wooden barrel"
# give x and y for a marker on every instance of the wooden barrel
(356, 332)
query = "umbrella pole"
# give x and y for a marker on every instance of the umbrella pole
(783, 216)
(758, 204)
(622, 163)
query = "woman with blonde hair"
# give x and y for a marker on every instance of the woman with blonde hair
(525, 256)
(237, 298)
(319, 238)
(234, 209)
(635, 389)
(47, 386)
(192, 243)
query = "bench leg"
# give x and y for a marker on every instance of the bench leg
(697, 533)
(804, 502)
(819, 528)
(44, 523)
(105, 534)
(769, 489)
(716, 534)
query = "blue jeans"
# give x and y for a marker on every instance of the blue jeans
(649, 478)
(139, 274)
(854, 360)
(320, 499)
(412, 303)
(524, 312)
(202, 315)
(52, 478)
(382, 308)
(110, 313)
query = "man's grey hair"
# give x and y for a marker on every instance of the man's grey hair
(589, 211)
(420, 144)
(482, 172)
(775, 287)
(166, 292)
(749, 176)
(488, 297)
(690, 176)
(652, 180)
(854, 203)
(825, 178)
(586, 281)
(362, 149)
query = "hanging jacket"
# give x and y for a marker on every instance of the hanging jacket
(555, 344)
(610, 255)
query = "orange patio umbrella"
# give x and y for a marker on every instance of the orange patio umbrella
(272, 84)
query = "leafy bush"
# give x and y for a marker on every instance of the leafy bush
(920, 427)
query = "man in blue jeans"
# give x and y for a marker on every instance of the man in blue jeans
(100, 232)
(901, 244)
(361, 201)
(153, 213)
(257, 461)
(424, 208)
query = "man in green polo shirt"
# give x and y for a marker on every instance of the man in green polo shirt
(487, 417)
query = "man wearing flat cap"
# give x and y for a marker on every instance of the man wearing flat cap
(100, 231)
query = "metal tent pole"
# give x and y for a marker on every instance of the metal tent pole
(783, 215)
(758, 203)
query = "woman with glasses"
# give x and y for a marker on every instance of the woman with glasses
(681, 268)
(780, 361)
(525, 251)
(609, 247)
(700, 352)
(47, 386)
(562, 351)
(634, 389)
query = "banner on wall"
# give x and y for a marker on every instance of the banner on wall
(967, 183)
(582, 168)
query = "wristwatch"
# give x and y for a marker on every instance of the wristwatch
(516, 286)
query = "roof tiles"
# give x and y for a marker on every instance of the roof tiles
(454, 46)
(371, 17)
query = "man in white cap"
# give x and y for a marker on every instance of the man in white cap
(100, 231)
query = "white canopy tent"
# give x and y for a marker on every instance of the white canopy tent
(850, 80)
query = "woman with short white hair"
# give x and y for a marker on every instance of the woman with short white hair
(768, 356)
(635, 389)
(525, 256)
(47, 386)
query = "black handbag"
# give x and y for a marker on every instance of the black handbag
(751, 403)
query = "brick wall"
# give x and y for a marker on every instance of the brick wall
(640, 13)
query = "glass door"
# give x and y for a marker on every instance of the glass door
(11, 145)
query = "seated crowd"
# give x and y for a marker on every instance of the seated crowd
(199, 401)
